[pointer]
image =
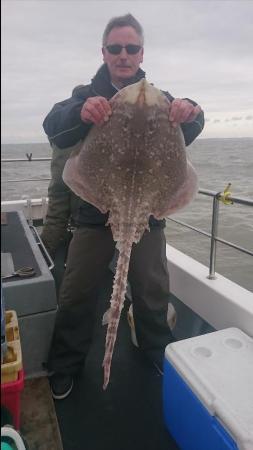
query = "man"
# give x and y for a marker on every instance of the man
(92, 246)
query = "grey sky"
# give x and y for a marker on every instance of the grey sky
(199, 49)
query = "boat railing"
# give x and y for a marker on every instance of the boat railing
(29, 158)
(218, 197)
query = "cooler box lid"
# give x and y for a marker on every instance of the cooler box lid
(218, 367)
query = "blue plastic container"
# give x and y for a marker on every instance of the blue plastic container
(207, 391)
(188, 420)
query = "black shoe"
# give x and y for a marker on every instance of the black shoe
(61, 385)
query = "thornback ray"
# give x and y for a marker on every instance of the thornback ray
(133, 166)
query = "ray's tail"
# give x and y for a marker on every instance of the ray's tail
(117, 302)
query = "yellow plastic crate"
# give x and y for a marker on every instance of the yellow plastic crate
(11, 326)
(12, 361)
(11, 318)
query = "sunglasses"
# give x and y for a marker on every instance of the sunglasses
(116, 49)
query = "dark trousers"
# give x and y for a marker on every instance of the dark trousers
(90, 253)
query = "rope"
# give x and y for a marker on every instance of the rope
(224, 196)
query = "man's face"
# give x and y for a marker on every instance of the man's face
(123, 65)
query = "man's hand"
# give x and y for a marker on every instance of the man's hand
(182, 111)
(96, 110)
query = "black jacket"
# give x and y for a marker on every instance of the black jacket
(64, 128)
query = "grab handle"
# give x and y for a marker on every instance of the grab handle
(50, 262)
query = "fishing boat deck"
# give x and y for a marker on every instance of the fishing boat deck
(128, 415)
(39, 425)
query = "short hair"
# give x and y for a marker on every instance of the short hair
(123, 21)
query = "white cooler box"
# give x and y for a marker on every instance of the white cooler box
(208, 391)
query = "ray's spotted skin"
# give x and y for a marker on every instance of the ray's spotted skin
(133, 166)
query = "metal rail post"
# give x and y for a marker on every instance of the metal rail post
(214, 234)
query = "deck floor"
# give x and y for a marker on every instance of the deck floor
(128, 415)
(39, 425)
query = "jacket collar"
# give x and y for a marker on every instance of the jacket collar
(101, 83)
